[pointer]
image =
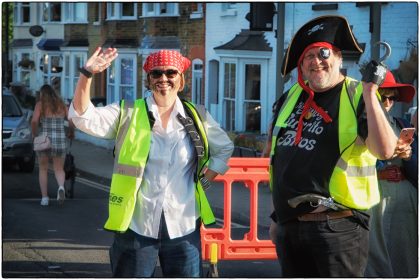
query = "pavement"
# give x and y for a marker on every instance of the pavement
(96, 163)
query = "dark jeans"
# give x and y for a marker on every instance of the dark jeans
(133, 255)
(333, 248)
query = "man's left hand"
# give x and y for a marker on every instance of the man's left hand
(374, 72)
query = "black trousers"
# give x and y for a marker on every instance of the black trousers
(332, 248)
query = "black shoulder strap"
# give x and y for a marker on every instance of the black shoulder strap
(192, 130)
(150, 115)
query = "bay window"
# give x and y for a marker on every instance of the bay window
(23, 64)
(75, 12)
(119, 11)
(51, 65)
(73, 60)
(160, 9)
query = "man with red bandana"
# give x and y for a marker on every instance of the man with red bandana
(327, 133)
(166, 152)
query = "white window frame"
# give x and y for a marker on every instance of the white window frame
(240, 113)
(197, 79)
(212, 89)
(18, 71)
(156, 9)
(222, 110)
(114, 11)
(98, 16)
(75, 12)
(18, 14)
(47, 5)
(71, 70)
(198, 13)
(242, 98)
(49, 76)
(115, 86)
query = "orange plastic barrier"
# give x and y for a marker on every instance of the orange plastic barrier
(251, 171)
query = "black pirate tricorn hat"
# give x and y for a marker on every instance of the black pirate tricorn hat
(331, 29)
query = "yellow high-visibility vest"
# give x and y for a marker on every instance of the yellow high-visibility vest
(132, 149)
(353, 182)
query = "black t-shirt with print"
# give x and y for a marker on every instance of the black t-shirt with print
(308, 166)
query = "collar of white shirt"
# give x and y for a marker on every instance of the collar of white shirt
(173, 124)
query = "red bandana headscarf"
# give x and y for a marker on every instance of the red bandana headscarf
(166, 58)
(310, 101)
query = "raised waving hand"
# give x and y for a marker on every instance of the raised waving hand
(100, 60)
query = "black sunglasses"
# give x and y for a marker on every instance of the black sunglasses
(170, 73)
(390, 98)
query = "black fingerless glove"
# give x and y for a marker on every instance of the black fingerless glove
(373, 72)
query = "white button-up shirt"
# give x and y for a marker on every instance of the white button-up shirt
(168, 181)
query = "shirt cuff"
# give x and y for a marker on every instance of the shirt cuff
(218, 165)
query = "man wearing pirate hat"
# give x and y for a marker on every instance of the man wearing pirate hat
(162, 167)
(328, 131)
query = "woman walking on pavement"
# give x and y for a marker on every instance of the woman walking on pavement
(167, 150)
(49, 115)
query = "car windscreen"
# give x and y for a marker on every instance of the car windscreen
(10, 107)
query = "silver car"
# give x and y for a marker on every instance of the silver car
(17, 136)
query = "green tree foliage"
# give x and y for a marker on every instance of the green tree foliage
(7, 25)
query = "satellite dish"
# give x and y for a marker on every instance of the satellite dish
(36, 30)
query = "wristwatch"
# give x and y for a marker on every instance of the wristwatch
(205, 183)
(85, 72)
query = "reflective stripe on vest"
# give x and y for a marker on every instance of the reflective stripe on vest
(132, 150)
(353, 182)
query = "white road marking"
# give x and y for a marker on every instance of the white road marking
(220, 223)
(93, 184)
(89, 183)
(106, 188)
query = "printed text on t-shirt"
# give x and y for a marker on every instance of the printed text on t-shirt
(314, 125)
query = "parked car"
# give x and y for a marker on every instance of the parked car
(17, 136)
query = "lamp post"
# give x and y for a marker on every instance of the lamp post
(280, 47)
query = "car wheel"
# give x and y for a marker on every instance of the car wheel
(27, 165)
